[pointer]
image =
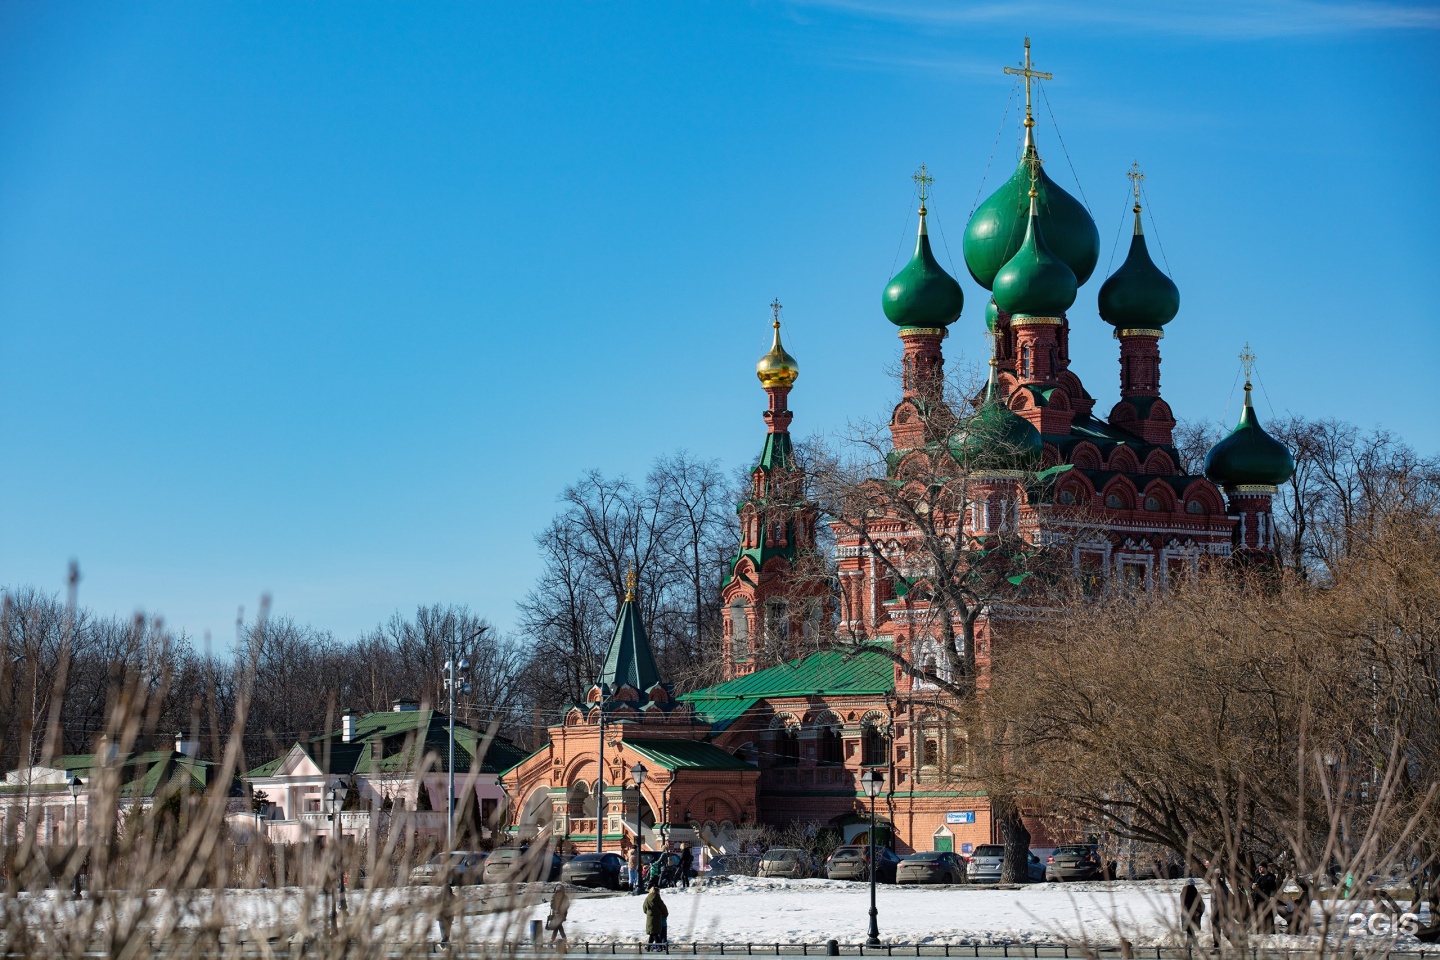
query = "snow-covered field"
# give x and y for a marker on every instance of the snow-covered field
(757, 910)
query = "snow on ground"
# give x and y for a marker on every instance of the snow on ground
(755, 910)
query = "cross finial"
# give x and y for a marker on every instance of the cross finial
(923, 178)
(775, 307)
(1025, 70)
(1247, 361)
(1136, 178)
(630, 585)
(994, 337)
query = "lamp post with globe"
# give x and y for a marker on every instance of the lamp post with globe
(76, 785)
(873, 780)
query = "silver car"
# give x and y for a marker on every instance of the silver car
(985, 863)
(787, 862)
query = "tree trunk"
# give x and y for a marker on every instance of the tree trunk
(1015, 837)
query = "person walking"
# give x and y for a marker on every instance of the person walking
(559, 909)
(657, 921)
(1192, 913)
(446, 915)
(1265, 890)
(687, 866)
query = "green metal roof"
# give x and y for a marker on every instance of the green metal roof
(406, 737)
(629, 661)
(827, 673)
(687, 755)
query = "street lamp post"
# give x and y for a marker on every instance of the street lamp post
(337, 800)
(638, 774)
(873, 780)
(454, 683)
(75, 787)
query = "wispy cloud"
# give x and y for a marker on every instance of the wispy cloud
(1253, 20)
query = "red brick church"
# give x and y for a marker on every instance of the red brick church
(787, 735)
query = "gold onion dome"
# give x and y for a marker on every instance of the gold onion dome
(777, 368)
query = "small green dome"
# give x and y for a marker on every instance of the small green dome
(922, 294)
(995, 437)
(1138, 295)
(1034, 282)
(1249, 456)
(992, 315)
(997, 229)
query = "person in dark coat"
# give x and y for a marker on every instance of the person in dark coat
(1219, 910)
(1192, 911)
(657, 920)
(446, 916)
(1263, 895)
(687, 866)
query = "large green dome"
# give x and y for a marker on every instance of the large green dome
(922, 294)
(1034, 282)
(997, 229)
(1138, 295)
(1249, 456)
(995, 437)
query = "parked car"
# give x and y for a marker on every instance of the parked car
(985, 863)
(788, 862)
(852, 862)
(732, 865)
(1077, 861)
(456, 867)
(522, 865)
(595, 870)
(931, 866)
(1034, 868)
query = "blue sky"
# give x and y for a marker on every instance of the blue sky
(329, 301)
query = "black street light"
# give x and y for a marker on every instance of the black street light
(638, 774)
(75, 787)
(873, 780)
(337, 800)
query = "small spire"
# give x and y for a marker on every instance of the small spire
(1136, 177)
(1247, 362)
(630, 585)
(923, 179)
(1025, 70)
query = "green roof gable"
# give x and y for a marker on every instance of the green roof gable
(629, 661)
(686, 755)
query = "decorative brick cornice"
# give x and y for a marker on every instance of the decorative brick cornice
(1139, 332)
(1037, 321)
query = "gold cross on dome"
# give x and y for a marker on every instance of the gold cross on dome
(1029, 74)
(923, 178)
(1247, 360)
(1136, 177)
(775, 307)
(630, 585)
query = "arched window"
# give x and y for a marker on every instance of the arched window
(787, 746)
(829, 746)
(873, 748)
(739, 630)
(1025, 361)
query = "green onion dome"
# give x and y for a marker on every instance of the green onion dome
(922, 294)
(995, 437)
(1138, 296)
(1249, 456)
(1034, 282)
(997, 229)
(992, 315)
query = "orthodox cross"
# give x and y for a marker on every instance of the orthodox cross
(1029, 74)
(994, 337)
(1136, 177)
(775, 307)
(630, 585)
(1247, 360)
(923, 178)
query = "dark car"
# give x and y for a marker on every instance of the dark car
(457, 867)
(931, 866)
(1078, 861)
(522, 865)
(852, 862)
(594, 870)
